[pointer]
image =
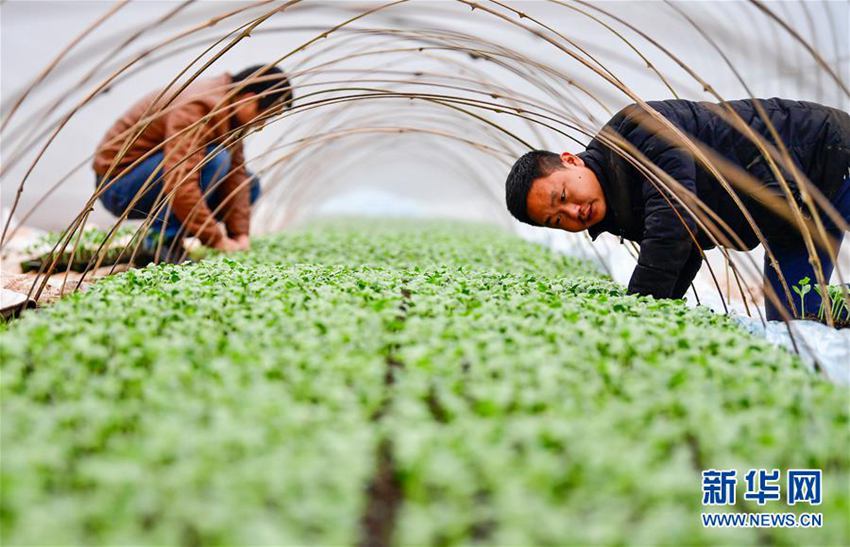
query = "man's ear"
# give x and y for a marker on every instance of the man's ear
(571, 159)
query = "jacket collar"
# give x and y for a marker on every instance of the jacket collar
(613, 174)
(234, 123)
(608, 223)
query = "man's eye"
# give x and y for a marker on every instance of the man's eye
(563, 196)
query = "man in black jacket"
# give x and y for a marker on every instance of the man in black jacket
(609, 188)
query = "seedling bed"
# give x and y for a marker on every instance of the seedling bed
(404, 384)
(82, 253)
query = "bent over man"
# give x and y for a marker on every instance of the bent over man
(182, 159)
(600, 191)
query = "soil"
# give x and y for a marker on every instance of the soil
(57, 285)
(383, 501)
(839, 324)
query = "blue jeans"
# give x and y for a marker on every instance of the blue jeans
(794, 262)
(117, 197)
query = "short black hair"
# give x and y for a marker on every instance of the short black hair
(271, 85)
(528, 168)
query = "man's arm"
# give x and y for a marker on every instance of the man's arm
(666, 245)
(183, 180)
(236, 192)
(688, 273)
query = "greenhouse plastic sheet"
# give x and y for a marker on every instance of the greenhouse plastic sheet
(821, 347)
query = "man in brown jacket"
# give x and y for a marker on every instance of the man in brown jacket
(180, 159)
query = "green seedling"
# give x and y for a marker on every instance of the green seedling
(475, 388)
(838, 301)
(802, 288)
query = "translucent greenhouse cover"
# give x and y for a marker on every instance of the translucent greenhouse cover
(821, 347)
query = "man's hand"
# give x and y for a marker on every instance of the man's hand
(243, 241)
(227, 245)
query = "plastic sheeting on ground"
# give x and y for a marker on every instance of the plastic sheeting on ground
(821, 347)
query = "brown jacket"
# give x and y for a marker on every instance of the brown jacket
(182, 130)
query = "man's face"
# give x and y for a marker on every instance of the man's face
(250, 116)
(569, 198)
(248, 109)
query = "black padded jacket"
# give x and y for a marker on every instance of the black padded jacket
(817, 138)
